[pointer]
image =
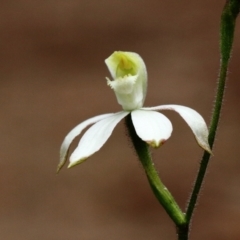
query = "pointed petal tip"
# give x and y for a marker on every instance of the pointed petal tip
(63, 160)
(74, 163)
(70, 165)
(210, 152)
(156, 144)
(205, 146)
(58, 169)
(207, 149)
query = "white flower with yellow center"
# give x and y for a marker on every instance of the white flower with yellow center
(129, 83)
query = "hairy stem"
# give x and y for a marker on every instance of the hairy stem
(228, 19)
(160, 191)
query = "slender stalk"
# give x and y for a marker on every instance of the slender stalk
(183, 232)
(160, 191)
(228, 19)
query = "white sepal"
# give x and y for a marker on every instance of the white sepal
(152, 127)
(73, 134)
(194, 120)
(95, 137)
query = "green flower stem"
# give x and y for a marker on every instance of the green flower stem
(160, 191)
(228, 20)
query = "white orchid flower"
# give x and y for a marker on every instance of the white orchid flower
(129, 83)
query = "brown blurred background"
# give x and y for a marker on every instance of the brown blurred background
(52, 76)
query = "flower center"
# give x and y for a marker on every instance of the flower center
(125, 66)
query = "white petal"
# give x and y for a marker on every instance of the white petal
(194, 120)
(95, 137)
(152, 127)
(73, 134)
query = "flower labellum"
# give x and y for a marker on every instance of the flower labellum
(129, 79)
(129, 82)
